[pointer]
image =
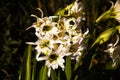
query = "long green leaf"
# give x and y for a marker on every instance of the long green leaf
(68, 68)
(76, 77)
(53, 75)
(26, 65)
(91, 63)
(43, 73)
(58, 75)
(34, 69)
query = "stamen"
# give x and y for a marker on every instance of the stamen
(117, 40)
(29, 27)
(86, 32)
(32, 43)
(41, 12)
(34, 16)
(112, 4)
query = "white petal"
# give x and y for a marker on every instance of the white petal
(40, 58)
(86, 32)
(49, 71)
(32, 43)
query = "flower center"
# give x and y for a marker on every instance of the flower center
(47, 28)
(38, 24)
(71, 23)
(53, 57)
(61, 25)
(73, 48)
(45, 44)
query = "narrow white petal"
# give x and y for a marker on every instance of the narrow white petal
(86, 32)
(40, 58)
(32, 43)
(49, 71)
(117, 41)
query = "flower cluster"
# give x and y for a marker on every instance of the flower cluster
(58, 37)
(114, 52)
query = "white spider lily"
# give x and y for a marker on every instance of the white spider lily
(48, 29)
(37, 24)
(78, 37)
(76, 8)
(77, 45)
(44, 45)
(113, 51)
(75, 39)
(53, 59)
(47, 26)
(75, 51)
(58, 39)
(83, 36)
(70, 23)
(43, 21)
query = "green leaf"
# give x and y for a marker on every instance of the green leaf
(68, 68)
(104, 36)
(76, 77)
(43, 73)
(34, 69)
(53, 75)
(26, 65)
(91, 63)
(58, 74)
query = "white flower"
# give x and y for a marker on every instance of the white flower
(75, 39)
(114, 51)
(58, 39)
(77, 7)
(43, 25)
(75, 51)
(53, 59)
(44, 45)
(77, 44)
(48, 29)
(70, 23)
(78, 37)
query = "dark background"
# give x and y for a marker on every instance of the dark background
(15, 18)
